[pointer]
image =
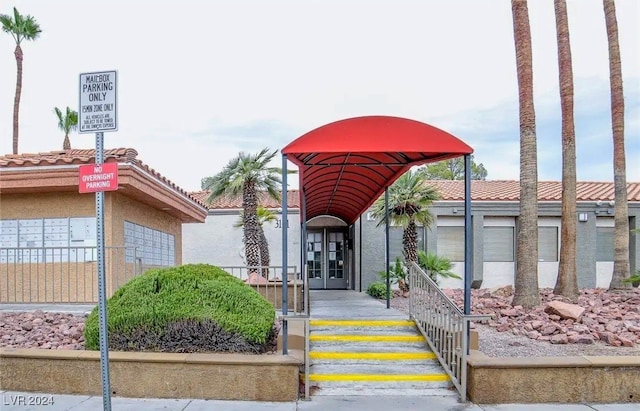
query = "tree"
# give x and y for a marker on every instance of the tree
(21, 28)
(409, 202)
(621, 269)
(244, 176)
(264, 215)
(67, 122)
(452, 170)
(526, 292)
(567, 280)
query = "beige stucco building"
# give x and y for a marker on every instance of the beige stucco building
(48, 229)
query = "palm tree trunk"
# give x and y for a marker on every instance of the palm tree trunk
(265, 258)
(16, 100)
(250, 225)
(567, 281)
(526, 291)
(66, 144)
(410, 241)
(621, 270)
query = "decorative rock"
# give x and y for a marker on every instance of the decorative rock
(564, 310)
(559, 339)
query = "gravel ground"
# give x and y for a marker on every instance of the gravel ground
(506, 344)
(47, 330)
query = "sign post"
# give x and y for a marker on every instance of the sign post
(97, 114)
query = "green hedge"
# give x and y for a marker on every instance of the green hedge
(159, 299)
(377, 289)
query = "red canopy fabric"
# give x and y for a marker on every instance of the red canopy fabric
(346, 165)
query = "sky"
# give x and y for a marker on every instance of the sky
(200, 81)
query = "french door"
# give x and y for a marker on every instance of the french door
(327, 259)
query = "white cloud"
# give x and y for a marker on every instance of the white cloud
(190, 70)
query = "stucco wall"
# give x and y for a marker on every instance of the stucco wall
(123, 208)
(77, 281)
(203, 243)
(218, 242)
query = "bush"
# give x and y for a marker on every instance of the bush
(377, 289)
(436, 266)
(185, 309)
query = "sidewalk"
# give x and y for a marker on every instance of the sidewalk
(19, 401)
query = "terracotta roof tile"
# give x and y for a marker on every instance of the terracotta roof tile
(264, 200)
(87, 156)
(509, 190)
(489, 190)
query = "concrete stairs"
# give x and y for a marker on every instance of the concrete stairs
(373, 357)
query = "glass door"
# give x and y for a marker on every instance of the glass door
(315, 266)
(326, 259)
(336, 261)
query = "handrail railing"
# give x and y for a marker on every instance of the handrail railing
(62, 274)
(267, 280)
(443, 324)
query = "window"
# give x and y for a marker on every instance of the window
(547, 244)
(152, 246)
(604, 243)
(498, 244)
(451, 242)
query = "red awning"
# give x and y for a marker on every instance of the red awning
(346, 165)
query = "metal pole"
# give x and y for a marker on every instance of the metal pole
(284, 255)
(386, 243)
(360, 254)
(468, 268)
(102, 295)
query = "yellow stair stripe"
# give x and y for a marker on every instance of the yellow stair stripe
(325, 355)
(363, 323)
(379, 377)
(368, 338)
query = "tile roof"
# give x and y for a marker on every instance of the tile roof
(87, 156)
(509, 190)
(264, 200)
(489, 190)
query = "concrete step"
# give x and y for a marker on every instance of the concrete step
(381, 357)
(366, 356)
(364, 390)
(390, 372)
(364, 341)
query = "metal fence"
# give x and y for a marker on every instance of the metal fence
(443, 324)
(268, 282)
(62, 274)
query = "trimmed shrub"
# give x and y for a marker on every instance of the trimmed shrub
(196, 307)
(377, 289)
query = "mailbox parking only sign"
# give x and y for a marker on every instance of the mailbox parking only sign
(98, 102)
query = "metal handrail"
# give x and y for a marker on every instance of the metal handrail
(443, 325)
(62, 274)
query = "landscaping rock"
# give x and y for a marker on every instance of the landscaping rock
(564, 310)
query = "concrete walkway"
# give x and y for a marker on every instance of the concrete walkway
(347, 304)
(15, 401)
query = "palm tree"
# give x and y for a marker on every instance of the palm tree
(621, 269)
(567, 280)
(264, 215)
(409, 202)
(67, 123)
(526, 291)
(21, 28)
(244, 176)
